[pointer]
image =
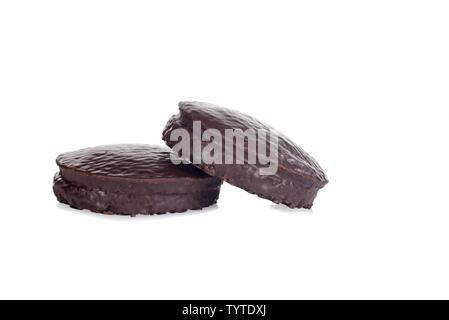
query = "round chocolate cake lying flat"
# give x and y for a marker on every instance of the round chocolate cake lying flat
(131, 179)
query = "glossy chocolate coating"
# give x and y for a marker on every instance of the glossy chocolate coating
(298, 178)
(131, 179)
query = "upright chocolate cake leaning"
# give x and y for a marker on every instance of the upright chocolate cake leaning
(297, 179)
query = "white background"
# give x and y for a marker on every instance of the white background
(360, 85)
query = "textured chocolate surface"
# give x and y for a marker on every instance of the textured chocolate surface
(298, 178)
(131, 179)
